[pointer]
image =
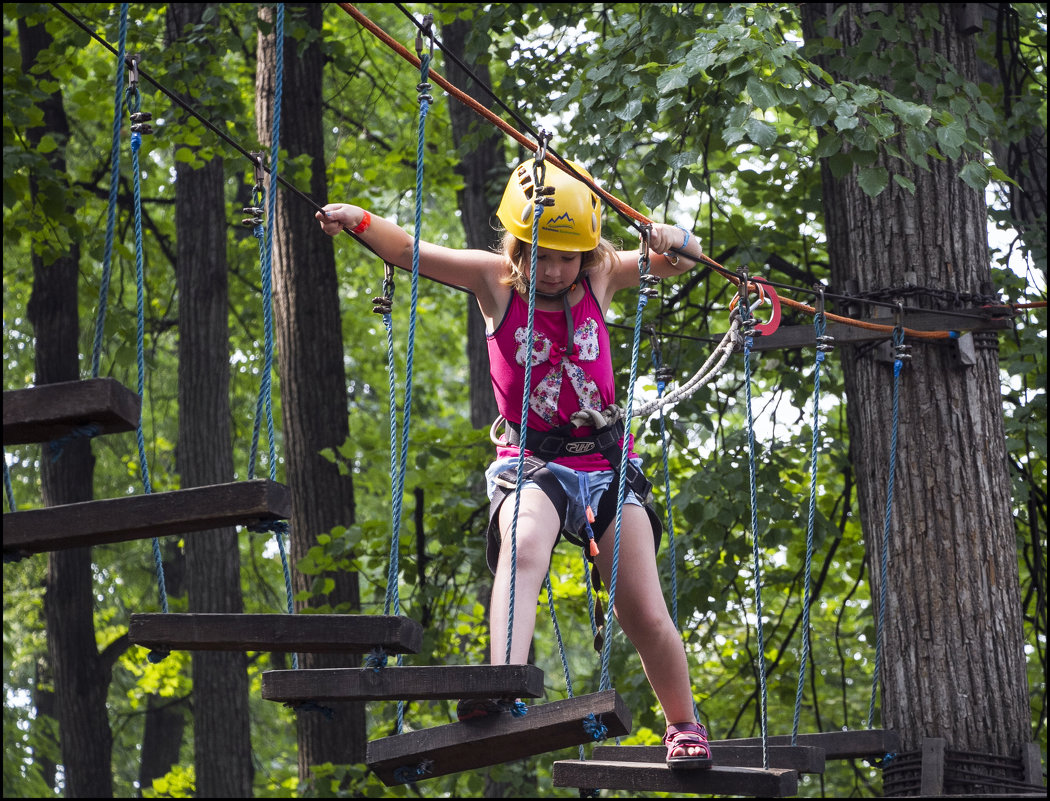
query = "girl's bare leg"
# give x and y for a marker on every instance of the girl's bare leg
(538, 527)
(642, 613)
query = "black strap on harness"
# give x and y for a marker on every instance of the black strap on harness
(606, 440)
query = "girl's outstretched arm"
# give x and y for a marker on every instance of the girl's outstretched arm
(474, 270)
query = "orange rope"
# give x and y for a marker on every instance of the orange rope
(616, 202)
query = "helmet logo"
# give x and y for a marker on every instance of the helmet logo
(562, 224)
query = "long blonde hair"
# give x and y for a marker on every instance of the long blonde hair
(517, 258)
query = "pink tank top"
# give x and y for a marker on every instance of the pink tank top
(562, 383)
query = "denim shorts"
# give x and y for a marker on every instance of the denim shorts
(577, 485)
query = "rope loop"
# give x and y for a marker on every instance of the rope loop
(79, 432)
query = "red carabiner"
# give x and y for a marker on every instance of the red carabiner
(766, 289)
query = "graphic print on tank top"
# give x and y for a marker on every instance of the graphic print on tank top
(544, 399)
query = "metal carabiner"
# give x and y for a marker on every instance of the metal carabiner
(427, 27)
(766, 293)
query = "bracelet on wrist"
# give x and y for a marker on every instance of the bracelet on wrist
(362, 226)
(687, 235)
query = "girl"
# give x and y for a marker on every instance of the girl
(573, 455)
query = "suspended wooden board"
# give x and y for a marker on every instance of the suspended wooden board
(799, 758)
(313, 634)
(859, 744)
(52, 411)
(654, 777)
(501, 738)
(143, 516)
(403, 683)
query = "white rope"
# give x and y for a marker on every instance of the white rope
(610, 414)
(706, 372)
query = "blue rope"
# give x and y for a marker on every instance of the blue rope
(557, 634)
(819, 325)
(114, 183)
(898, 363)
(527, 390)
(672, 551)
(264, 236)
(399, 465)
(605, 682)
(409, 773)
(280, 528)
(56, 446)
(133, 100)
(745, 315)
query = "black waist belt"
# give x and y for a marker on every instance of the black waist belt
(549, 445)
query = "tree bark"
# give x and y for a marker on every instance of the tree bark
(81, 675)
(953, 664)
(222, 737)
(312, 379)
(483, 171)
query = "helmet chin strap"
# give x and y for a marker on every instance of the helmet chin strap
(570, 345)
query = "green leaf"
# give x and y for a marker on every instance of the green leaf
(672, 79)
(873, 180)
(975, 174)
(829, 145)
(904, 183)
(761, 133)
(760, 93)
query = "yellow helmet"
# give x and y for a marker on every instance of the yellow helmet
(573, 223)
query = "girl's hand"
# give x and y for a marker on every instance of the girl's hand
(337, 216)
(664, 237)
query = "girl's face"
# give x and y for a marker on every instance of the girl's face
(555, 269)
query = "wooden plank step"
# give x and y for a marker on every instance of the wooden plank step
(799, 758)
(52, 411)
(422, 683)
(858, 744)
(211, 631)
(135, 517)
(501, 738)
(655, 777)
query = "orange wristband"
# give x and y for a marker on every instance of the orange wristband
(362, 226)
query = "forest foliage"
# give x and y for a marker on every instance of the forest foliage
(702, 114)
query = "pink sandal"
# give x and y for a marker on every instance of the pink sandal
(687, 747)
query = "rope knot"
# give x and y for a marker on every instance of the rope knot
(376, 660)
(409, 773)
(595, 728)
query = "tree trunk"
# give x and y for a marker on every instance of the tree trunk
(953, 663)
(81, 676)
(310, 359)
(483, 171)
(222, 737)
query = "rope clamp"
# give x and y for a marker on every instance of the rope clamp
(901, 352)
(257, 160)
(819, 321)
(645, 279)
(427, 27)
(132, 96)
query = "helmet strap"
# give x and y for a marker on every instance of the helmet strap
(570, 345)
